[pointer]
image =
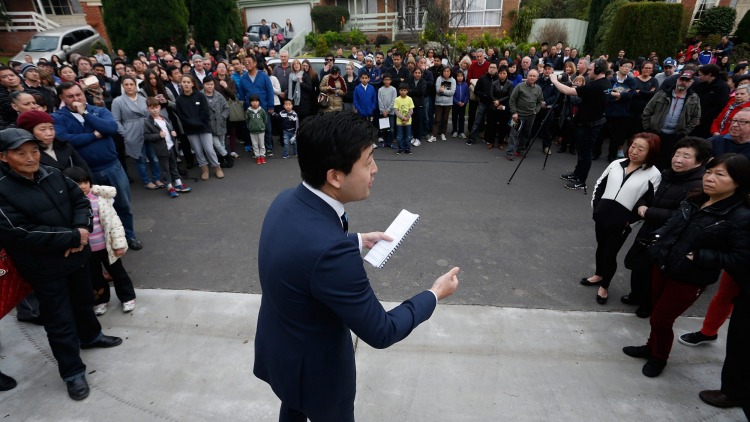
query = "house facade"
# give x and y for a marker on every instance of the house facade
(27, 17)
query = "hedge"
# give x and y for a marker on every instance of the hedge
(329, 18)
(639, 28)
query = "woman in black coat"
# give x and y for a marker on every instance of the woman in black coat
(709, 232)
(417, 92)
(684, 176)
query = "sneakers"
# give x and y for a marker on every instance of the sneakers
(381, 140)
(696, 339)
(509, 157)
(569, 176)
(234, 154)
(417, 143)
(182, 188)
(374, 145)
(413, 140)
(637, 351)
(469, 142)
(462, 136)
(653, 367)
(407, 152)
(286, 155)
(575, 185)
(454, 135)
(442, 137)
(248, 148)
(399, 152)
(258, 161)
(173, 193)
(431, 139)
(263, 160)
(128, 306)
(547, 151)
(100, 309)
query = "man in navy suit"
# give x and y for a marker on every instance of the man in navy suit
(315, 288)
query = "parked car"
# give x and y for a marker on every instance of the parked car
(62, 42)
(252, 30)
(317, 63)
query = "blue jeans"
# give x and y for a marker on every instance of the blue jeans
(115, 176)
(268, 139)
(403, 132)
(288, 141)
(478, 121)
(147, 151)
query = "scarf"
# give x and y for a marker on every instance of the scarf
(726, 116)
(332, 83)
(294, 86)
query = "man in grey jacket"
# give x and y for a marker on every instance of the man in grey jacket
(672, 114)
(525, 102)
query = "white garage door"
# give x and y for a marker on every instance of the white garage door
(298, 13)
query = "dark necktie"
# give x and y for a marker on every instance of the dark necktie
(345, 222)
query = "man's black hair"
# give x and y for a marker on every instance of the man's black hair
(325, 142)
(64, 87)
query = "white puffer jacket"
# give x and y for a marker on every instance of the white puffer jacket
(114, 233)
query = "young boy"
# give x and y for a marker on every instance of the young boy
(159, 131)
(404, 107)
(256, 125)
(289, 126)
(365, 98)
(386, 98)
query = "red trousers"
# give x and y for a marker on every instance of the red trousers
(670, 299)
(721, 305)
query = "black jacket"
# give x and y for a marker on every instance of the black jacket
(417, 91)
(501, 91)
(194, 113)
(67, 157)
(40, 220)
(718, 236)
(483, 89)
(714, 96)
(672, 190)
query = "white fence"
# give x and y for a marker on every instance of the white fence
(295, 46)
(29, 21)
(374, 22)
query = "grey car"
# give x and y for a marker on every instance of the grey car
(61, 42)
(317, 63)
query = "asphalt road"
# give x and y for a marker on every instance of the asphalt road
(524, 244)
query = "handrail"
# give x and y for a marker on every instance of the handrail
(295, 46)
(29, 21)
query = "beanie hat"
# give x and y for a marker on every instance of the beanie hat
(26, 67)
(29, 119)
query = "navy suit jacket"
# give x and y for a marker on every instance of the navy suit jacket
(315, 289)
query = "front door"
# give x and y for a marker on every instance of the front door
(411, 14)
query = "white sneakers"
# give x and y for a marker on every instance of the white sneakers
(454, 135)
(416, 142)
(374, 146)
(100, 309)
(462, 136)
(442, 137)
(431, 139)
(128, 306)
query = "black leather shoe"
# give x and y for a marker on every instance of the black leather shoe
(601, 300)
(135, 244)
(643, 312)
(637, 351)
(6, 382)
(585, 282)
(718, 399)
(37, 320)
(653, 367)
(78, 389)
(628, 300)
(103, 343)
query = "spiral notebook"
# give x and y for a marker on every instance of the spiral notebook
(399, 228)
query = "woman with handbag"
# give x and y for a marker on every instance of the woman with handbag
(618, 190)
(709, 232)
(684, 176)
(226, 86)
(334, 86)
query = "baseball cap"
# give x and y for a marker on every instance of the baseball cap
(13, 138)
(548, 65)
(687, 74)
(670, 62)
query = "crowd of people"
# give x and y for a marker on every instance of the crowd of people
(173, 109)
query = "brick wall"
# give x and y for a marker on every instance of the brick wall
(12, 42)
(93, 12)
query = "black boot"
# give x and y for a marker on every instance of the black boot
(6, 382)
(228, 161)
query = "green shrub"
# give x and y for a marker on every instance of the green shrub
(716, 20)
(128, 30)
(329, 18)
(321, 47)
(596, 10)
(356, 37)
(741, 52)
(400, 46)
(220, 22)
(743, 29)
(638, 28)
(382, 39)
(712, 39)
(98, 45)
(605, 24)
(521, 27)
(311, 39)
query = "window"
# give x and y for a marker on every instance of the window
(476, 12)
(57, 7)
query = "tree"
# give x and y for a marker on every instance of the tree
(596, 9)
(638, 28)
(743, 29)
(605, 24)
(135, 25)
(215, 20)
(716, 20)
